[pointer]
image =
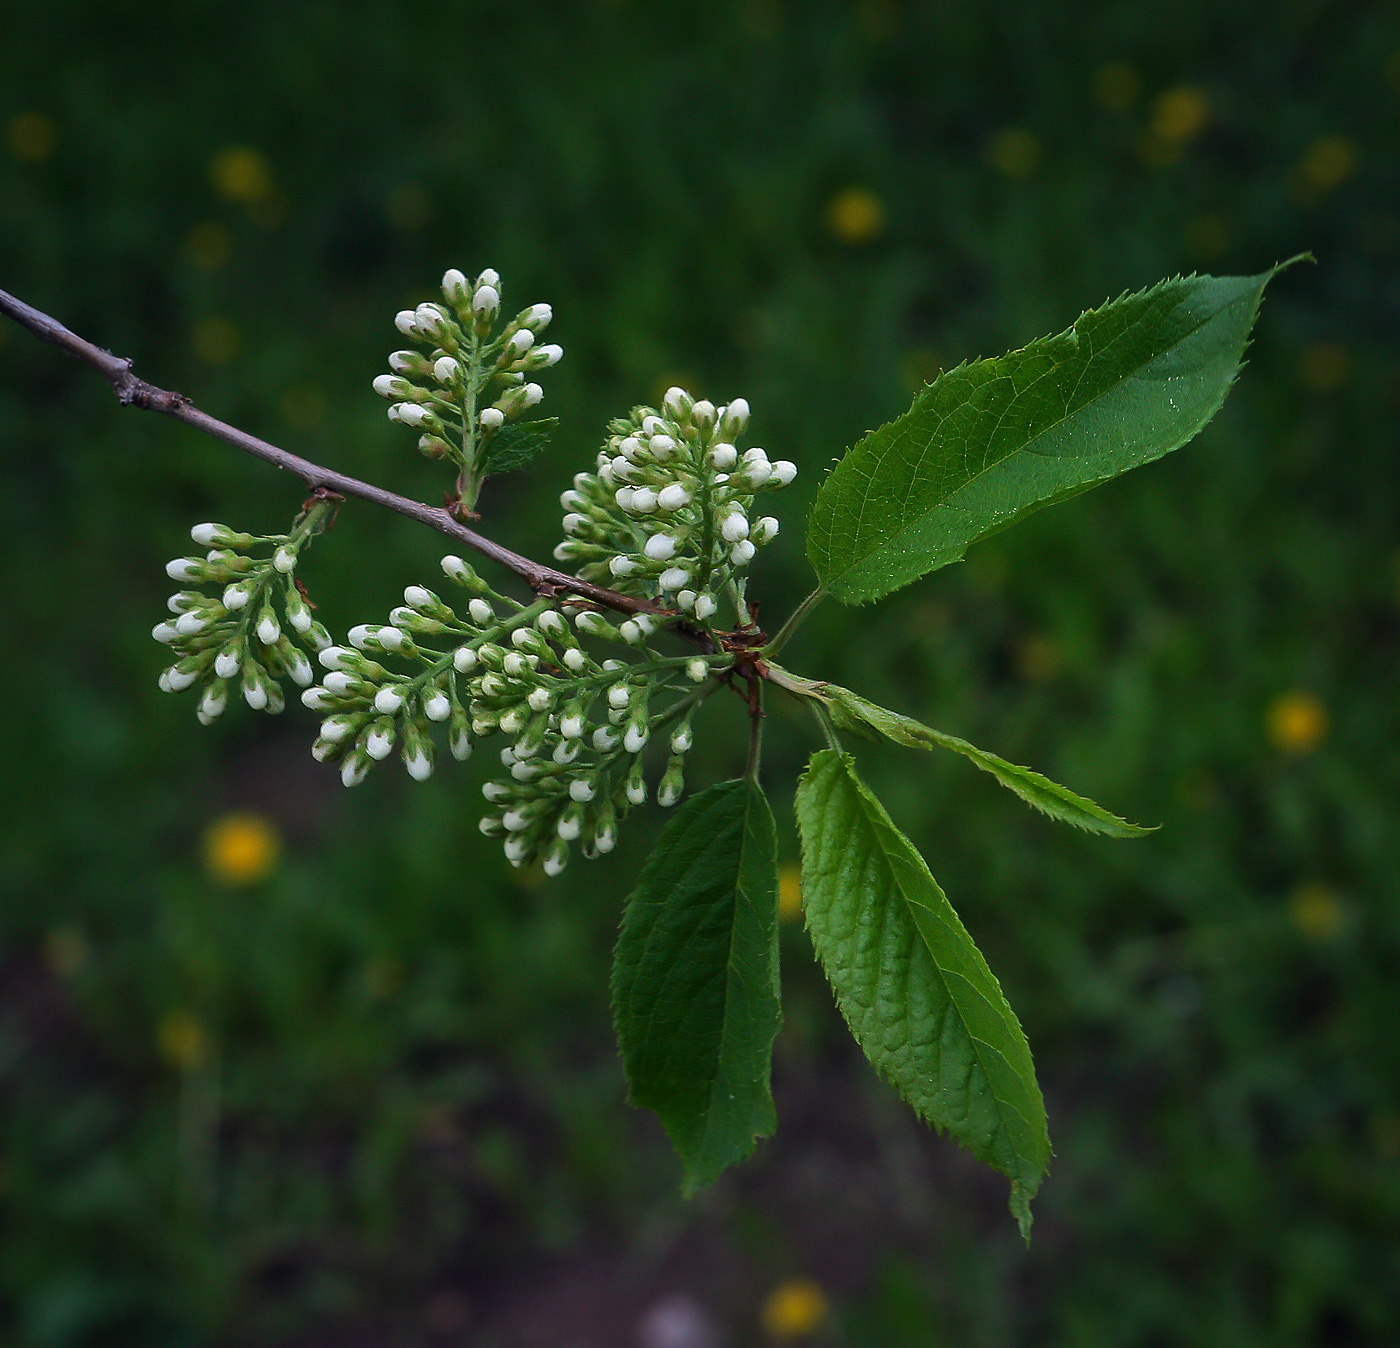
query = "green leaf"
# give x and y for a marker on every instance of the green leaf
(516, 443)
(855, 714)
(695, 979)
(989, 442)
(911, 984)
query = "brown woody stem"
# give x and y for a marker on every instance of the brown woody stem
(134, 392)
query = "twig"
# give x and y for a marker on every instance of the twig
(546, 581)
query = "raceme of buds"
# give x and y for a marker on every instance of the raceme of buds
(674, 480)
(470, 381)
(578, 727)
(244, 634)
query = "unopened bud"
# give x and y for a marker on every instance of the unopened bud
(454, 286)
(446, 370)
(672, 497)
(723, 457)
(704, 606)
(736, 417)
(491, 418)
(486, 300)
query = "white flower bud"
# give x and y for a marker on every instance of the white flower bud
(697, 670)
(757, 472)
(734, 527)
(686, 600)
(236, 597)
(428, 319)
(629, 447)
(379, 743)
(643, 501)
(387, 700)
(605, 738)
(190, 624)
(404, 321)
(569, 826)
(454, 568)
(537, 316)
(521, 342)
(672, 497)
(340, 683)
(404, 362)
(605, 839)
(551, 621)
(420, 598)
(446, 370)
(255, 695)
(634, 741)
(454, 286)
(631, 633)
(418, 764)
(622, 566)
(516, 849)
(354, 770)
(636, 790)
(661, 447)
(682, 740)
(540, 699)
(332, 657)
(571, 727)
(300, 619)
(284, 560)
(704, 606)
(533, 393)
(464, 659)
(514, 665)
(459, 744)
(491, 418)
(411, 414)
(387, 386)
(268, 630)
(581, 790)
(573, 523)
(741, 554)
(164, 633)
(736, 416)
(673, 578)
(575, 660)
(176, 680)
(481, 612)
(677, 402)
(212, 703)
(784, 470)
(512, 723)
(516, 821)
(652, 425)
(486, 300)
(524, 772)
(185, 569)
(703, 413)
(723, 457)
(226, 664)
(318, 699)
(299, 669)
(437, 706)
(766, 530)
(619, 695)
(545, 356)
(660, 547)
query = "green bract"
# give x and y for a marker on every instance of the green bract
(989, 442)
(662, 531)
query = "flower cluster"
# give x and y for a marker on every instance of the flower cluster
(668, 510)
(579, 726)
(243, 633)
(473, 378)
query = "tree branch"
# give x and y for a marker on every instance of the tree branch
(135, 392)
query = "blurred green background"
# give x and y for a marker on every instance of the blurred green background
(286, 1065)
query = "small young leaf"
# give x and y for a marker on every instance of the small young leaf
(989, 442)
(911, 984)
(851, 712)
(695, 979)
(516, 443)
